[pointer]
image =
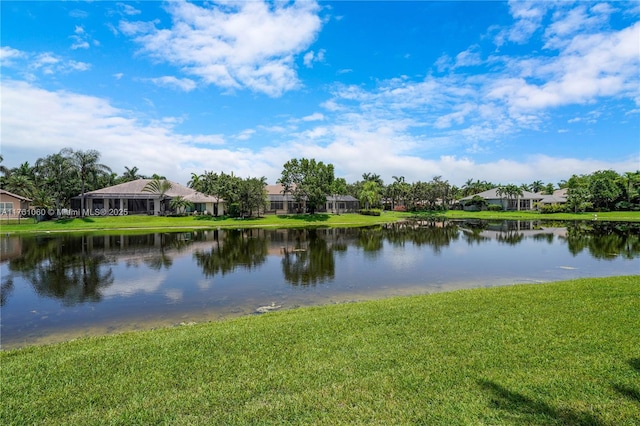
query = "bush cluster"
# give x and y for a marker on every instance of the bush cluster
(371, 212)
(552, 208)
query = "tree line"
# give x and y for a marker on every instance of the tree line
(56, 178)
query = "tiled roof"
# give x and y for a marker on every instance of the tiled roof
(134, 189)
(492, 194)
(19, 197)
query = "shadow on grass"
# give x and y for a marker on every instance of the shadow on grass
(627, 391)
(318, 217)
(65, 220)
(539, 412)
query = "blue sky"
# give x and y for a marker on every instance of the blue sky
(508, 92)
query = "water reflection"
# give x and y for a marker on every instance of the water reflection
(245, 248)
(309, 260)
(89, 278)
(76, 269)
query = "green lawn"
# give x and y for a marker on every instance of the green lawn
(154, 223)
(563, 353)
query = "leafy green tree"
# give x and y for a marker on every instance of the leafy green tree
(631, 183)
(604, 188)
(578, 198)
(338, 188)
(253, 195)
(58, 177)
(309, 182)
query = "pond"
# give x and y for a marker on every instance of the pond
(59, 287)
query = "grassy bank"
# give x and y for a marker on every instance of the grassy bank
(154, 223)
(559, 353)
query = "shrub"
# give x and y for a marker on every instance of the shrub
(371, 212)
(494, 208)
(552, 208)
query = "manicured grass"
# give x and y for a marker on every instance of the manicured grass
(154, 223)
(534, 215)
(563, 353)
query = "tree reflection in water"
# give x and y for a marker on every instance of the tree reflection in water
(246, 248)
(62, 268)
(77, 269)
(604, 240)
(310, 261)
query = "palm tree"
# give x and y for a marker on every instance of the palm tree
(56, 169)
(20, 184)
(3, 169)
(179, 204)
(86, 165)
(160, 188)
(370, 194)
(195, 182)
(130, 174)
(537, 186)
(510, 192)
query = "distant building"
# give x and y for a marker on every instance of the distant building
(527, 201)
(281, 203)
(13, 206)
(130, 197)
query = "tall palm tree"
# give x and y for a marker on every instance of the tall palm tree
(196, 181)
(86, 165)
(160, 187)
(537, 186)
(3, 169)
(130, 174)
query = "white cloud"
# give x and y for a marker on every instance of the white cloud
(311, 57)
(127, 9)
(8, 55)
(44, 63)
(316, 116)
(469, 57)
(184, 84)
(42, 122)
(528, 19)
(590, 66)
(233, 45)
(47, 121)
(245, 134)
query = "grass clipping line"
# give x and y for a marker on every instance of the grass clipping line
(559, 353)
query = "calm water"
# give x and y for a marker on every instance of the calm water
(62, 287)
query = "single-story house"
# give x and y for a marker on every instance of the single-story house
(129, 198)
(527, 201)
(13, 206)
(281, 203)
(559, 196)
